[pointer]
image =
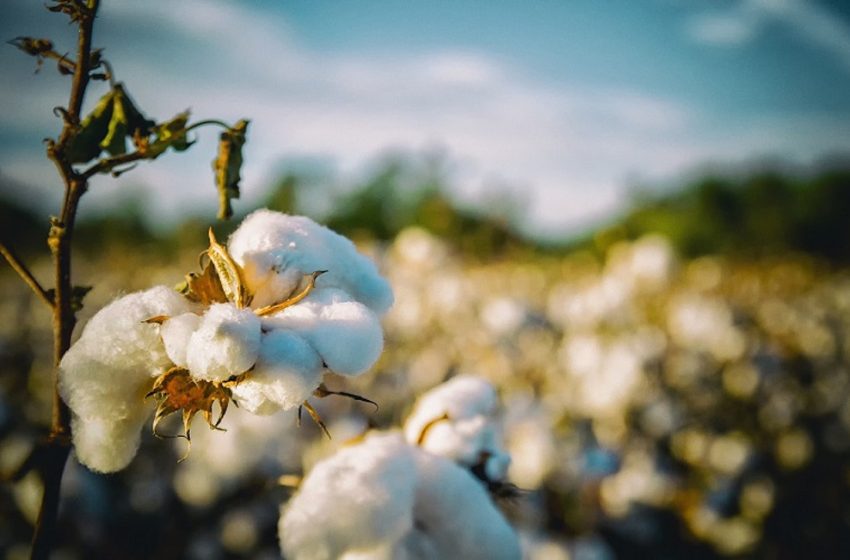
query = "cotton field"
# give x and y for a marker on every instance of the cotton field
(630, 405)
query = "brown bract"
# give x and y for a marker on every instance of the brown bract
(177, 390)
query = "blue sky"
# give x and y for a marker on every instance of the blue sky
(570, 102)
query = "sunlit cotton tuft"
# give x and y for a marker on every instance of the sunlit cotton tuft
(458, 420)
(386, 499)
(188, 350)
(276, 249)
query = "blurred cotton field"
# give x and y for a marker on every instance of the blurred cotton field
(651, 406)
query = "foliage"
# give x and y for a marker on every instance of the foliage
(399, 194)
(762, 214)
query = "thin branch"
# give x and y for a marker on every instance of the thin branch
(110, 75)
(110, 163)
(25, 274)
(62, 60)
(208, 122)
(61, 233)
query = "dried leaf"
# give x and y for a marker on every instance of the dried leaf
(114, 119)
(74, 9)
(204, 287)
(229, 273)
(169, 134)
(32, 46)
(274, 308)
(126, 122)
(176, 390)
(315, 416)
(227, 166)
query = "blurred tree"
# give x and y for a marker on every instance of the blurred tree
(762, 214)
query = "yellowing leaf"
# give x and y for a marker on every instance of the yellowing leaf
(114, 119)
(126, 122)
(85, 145)
(229, 273)
(169, 134)
(204, 288)
(227, 166)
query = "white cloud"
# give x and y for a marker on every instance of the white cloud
(743, 22)
(571, 147)
(723, 29)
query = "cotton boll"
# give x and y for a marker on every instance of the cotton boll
(461, 441)
(117, 334)
(107, 444)
(385, 499)
(455, 515)
(103, 373)
(226, 343)
(276, 249)
(461, 397)
(457, 420)
(92, 388)
(268, 281)
(346, 334)
(175, 333)
(359, 500)
(287, 371)
(103, 377)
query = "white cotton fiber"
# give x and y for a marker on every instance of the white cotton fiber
(357, 501)
(346, 334)
(276, 250)
(175, 333)
(385, 499)
(226, 343)
(107, 444)
(117, 354)
(105, 374)
(287, 371)
(458, 420)
(464, 396)
(454, 515)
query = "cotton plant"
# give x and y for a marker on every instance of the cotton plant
(286, 301)
(426, 492)
(386, 499)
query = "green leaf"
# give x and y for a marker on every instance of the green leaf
(227, 165)
(114, 142)
(114, 119)
(85, 145)
(127, 121)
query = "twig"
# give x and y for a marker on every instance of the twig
(110, 163)
(208, 122)
(62, 60)
(25, 274)
(59, 240)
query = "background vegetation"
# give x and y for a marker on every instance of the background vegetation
(681, 395)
